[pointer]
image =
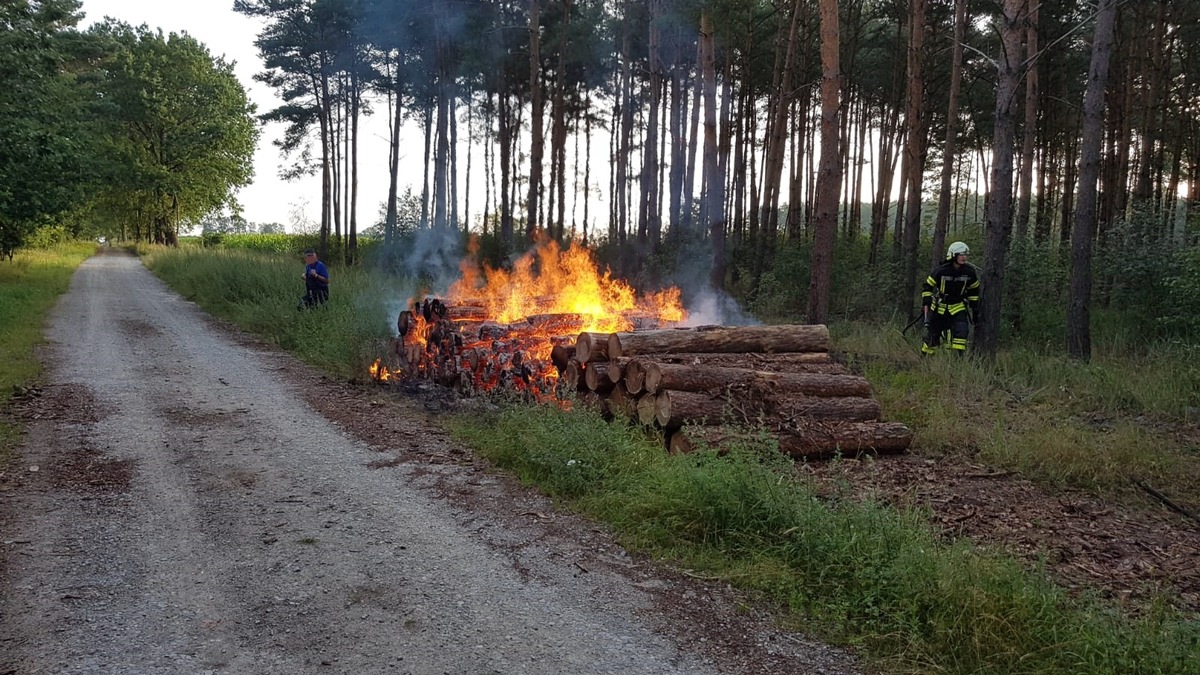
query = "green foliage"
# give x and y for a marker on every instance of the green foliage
(29, 287)
(47, 148)
(180, 128)
(260, 293)
(858, 572)
(282, 244)
(1181, 294)
(48, 236)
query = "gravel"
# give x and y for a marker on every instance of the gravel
(189, 501)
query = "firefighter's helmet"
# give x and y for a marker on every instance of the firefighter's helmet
(957, 248)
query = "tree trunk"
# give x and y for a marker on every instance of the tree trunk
(505, 132)
(829, 179)
(389, 227)
(650, 223)
(352, 229)
(942, 222)
(678, 105)
(714, 182)
(441, 163)
(429, 134)
(1029, 132)
(538, 111)
(999, 207)
(1150, 132)
(777, 125)
(1079, 341)
(915, 151)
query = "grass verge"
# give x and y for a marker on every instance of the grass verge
(29, 287)
(856, 573)
(1124, 416)
(259, 293)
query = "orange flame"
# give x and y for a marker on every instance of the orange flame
(380, 372)
(552, 281)
(546, 300)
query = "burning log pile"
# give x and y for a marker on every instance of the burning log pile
(556, 329)
(457, 347)
(687, 382)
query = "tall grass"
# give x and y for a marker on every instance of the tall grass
(858, 573)
(1096, 425)
(29, 287)
(260, 292)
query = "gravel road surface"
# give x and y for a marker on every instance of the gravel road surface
(184, 504)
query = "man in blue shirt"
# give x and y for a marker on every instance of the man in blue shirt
(316, 280)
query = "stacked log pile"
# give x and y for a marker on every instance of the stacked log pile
(690, 382)
(686, 382)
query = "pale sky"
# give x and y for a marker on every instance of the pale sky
(231, 35)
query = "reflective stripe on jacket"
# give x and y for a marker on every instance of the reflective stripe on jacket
(950, 290)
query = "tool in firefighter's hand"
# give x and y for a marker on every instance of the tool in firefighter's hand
(917, 318)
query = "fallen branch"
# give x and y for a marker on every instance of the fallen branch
(1166, 501)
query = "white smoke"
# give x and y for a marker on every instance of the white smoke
(708, 307)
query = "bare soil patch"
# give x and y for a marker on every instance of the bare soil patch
(1126, 551)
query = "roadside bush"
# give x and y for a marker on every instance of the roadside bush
(48, 236)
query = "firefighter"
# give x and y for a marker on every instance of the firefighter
(950, 301)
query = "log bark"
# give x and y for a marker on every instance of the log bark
(541, 325)
(721, 339)
(676, 408)
(591, 347)
(794, 411)
(709, 378)
(466, 313)
(817, 441)
(799, 362)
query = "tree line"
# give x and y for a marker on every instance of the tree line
(743, 132)
(118, 129)
(759, 125)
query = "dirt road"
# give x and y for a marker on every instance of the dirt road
(180, 507)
